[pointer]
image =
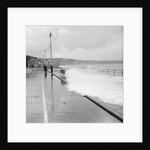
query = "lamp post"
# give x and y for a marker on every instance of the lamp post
(50, 35)
(45, 53)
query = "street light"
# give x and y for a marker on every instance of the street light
(51, 52)
(45, 53)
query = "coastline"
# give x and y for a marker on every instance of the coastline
(116, 107)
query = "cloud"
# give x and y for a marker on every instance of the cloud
(90, 37)
(84, 42)
(62, 31)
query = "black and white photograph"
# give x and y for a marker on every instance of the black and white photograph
(74, 74)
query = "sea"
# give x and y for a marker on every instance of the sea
(89, 80)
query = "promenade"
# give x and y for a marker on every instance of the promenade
(49, 101)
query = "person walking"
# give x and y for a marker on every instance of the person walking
(45, 69)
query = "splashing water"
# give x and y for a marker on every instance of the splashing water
(105, 87)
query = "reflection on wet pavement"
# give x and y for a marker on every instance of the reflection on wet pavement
(62, 105)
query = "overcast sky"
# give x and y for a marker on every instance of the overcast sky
(77, 42)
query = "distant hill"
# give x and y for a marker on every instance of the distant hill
(66, 61)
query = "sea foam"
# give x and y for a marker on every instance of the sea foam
(105, 87)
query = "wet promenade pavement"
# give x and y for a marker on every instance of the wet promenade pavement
(49, 101)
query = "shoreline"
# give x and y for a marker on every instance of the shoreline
(116, 107)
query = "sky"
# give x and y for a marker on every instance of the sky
(75, 42)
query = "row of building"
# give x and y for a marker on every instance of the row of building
(33, 62)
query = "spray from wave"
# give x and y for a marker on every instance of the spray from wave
(107, 88)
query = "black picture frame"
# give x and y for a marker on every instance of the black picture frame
(4, 5)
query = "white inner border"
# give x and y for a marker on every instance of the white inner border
(130, 130)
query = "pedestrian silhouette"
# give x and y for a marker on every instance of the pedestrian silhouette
(45, 69)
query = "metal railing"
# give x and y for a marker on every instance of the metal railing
(104, 71)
